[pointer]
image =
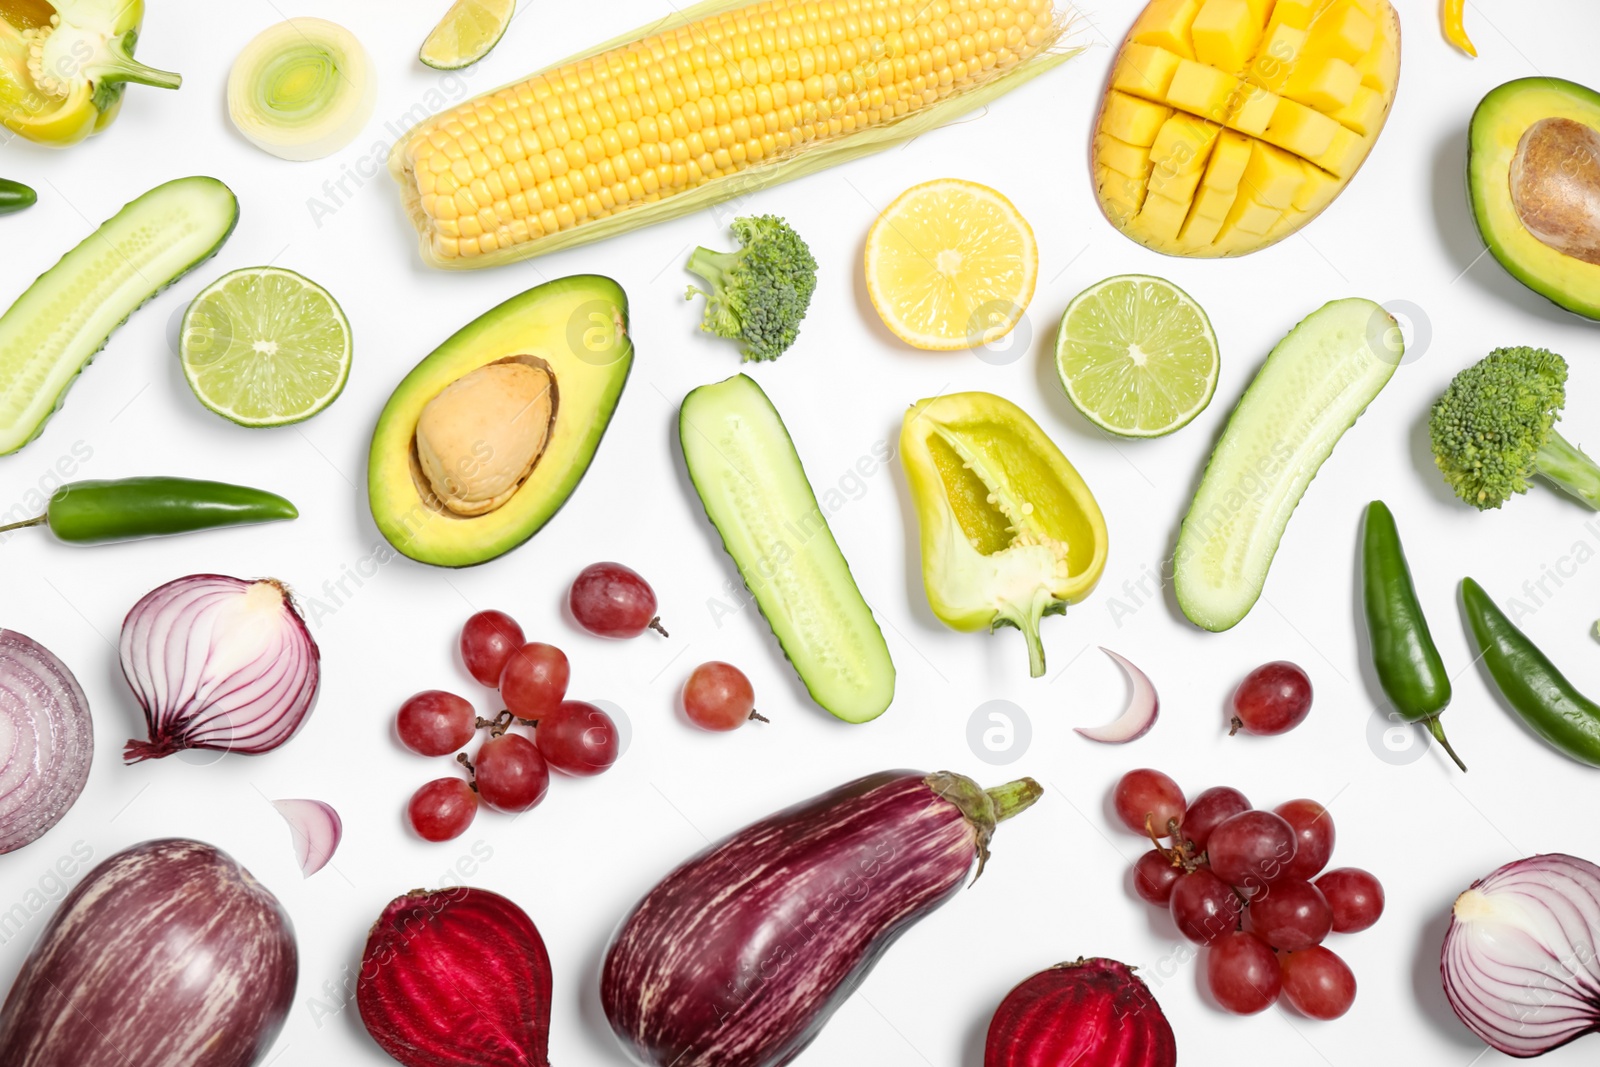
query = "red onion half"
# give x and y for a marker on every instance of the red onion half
(1519, 962)
(46, 740)
(218, 663)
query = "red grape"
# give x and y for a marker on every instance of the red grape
(613, 601)
(1243, 973)
(511, 773)
(534, 681)
(1318, 983)
(1273, 699)
(1313, 829)
(1291, 914)
(487, 641)
(1154, 876)
(1205, 908)
(718, 696)
(436, 723)
(442, 809)
(1146, 793)
(1355, 897)
(577, 738)
(1251, 849)
(1209, 809)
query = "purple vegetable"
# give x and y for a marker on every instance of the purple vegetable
(740, 956)
(46, 740)
(168, 954)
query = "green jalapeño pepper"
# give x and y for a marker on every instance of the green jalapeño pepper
(63, 66)
(1529, 682)
(96, 512)
(1010, 532)
(14, 196)
(1408, 663)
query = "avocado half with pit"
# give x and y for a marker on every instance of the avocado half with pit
(487, 437)
(1533, 173)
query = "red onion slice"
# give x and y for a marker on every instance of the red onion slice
(1137, 718)
(46, 740)
(316, 829)
(218, 663)
(1519, 964)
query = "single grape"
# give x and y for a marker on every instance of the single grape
(1251, 849)
(1291, 914)
(534, 681)
(1144, 793)
(1205, 908)
(487, 641)
(718, 696)
(1318, 983)
(1243, 973)
(436, 723)
(1273, 699)
(614, 601)
(1154, 876)
(1314, 836)
(442, 809)
(1355, 896)
(1208, 810)
(511, 773)
(577, 738)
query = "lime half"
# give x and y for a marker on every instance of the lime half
(265, 347)
(1137, 356)
(468, 31)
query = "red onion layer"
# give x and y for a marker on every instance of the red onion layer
(46, 740)
(316, 829)
(1137, 718)
(218, 663)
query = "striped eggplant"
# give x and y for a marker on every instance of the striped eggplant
(740, 956)
(168, 954)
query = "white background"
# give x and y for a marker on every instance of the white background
(1057, 887)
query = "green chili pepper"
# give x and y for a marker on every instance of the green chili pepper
(1408, 663)
(14, 196)
(1529, 682)
(96, 512)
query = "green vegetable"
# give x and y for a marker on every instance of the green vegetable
(749, 477)
(1529, 682)
(14, 196)
(1494, 428)
(97, 512)
(1408, 663)
(302, 89)
(759, 294)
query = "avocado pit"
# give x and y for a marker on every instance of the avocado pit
(1555, 186)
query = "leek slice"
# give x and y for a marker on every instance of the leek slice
(302, 89)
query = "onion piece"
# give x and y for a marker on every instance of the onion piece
(46, 740)
(316, 829)
(302, 89)
(218, 663)
(1137, 718)
(1519, 964)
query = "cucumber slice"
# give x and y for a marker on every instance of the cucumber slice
(749, 477)
(1311, 389)
(55, 328)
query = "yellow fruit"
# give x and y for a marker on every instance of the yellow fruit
(1230, 124)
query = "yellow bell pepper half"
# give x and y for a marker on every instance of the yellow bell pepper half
(1010, 532)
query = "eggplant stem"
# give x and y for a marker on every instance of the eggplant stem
(1013, 798)
(37, 520)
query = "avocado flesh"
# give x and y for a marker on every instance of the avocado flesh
(1533, 175)
(578, 328)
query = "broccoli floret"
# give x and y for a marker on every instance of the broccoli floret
(1494, 428)
(759, 294)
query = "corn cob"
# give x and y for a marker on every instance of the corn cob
(709, 104)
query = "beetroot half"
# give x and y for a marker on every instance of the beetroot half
(1092, 1013)
(456, 978)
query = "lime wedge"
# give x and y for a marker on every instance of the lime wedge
(1137, 356)
(265, 347)
(466, 33)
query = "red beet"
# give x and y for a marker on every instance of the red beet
(456, 978)
(1092, 1013)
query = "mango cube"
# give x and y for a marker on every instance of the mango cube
(1318, 191)
(1200, 230)
(1145, 70)
(1225, 34)
(1121, 197)
(1364, 114)
(1344, 31)
(1273, 64)
(1133, 161)
(1179, 185)
(1205, 91)
(1298, 129)
(1213, 203)
(1295, 13)
(1127, 118)
(1183, 144)
(1165, 24)
(1324, 83)
(1250, 216)
(1255, 111)
(1344, 154)
(1228, 161)
(1163, 217)
(1273, 177)
(1380, 67)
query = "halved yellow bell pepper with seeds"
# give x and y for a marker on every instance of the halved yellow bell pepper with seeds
(1010, 532)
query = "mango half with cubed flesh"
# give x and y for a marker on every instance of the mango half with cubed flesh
(1533, 173)
(1230, 124)
(487, 437)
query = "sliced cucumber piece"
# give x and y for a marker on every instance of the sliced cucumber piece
(1312, 388)
(755, 492)
(55, 328)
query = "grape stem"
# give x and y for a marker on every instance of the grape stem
(461, 758)
(1238, 724)
(655, 624)
(1178, 855)
(757, 716)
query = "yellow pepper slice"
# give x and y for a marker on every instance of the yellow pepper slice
(1454, 30)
